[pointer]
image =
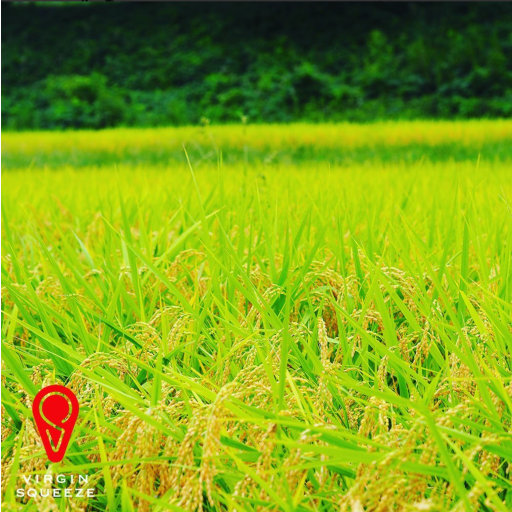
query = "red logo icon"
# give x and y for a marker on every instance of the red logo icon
(55, 410)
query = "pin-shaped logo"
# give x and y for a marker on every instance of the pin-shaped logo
(55, 410)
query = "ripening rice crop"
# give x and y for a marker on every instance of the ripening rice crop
(302, 318)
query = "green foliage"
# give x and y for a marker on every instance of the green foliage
(172, 64)
(303, 337)
(71, 101)
(83, 101)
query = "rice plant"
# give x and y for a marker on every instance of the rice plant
(252, 320)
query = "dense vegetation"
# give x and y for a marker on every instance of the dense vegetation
(98, 65)
(266, 330)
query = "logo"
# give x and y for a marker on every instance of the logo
(55, 410)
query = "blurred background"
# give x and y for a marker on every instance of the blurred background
(95, 65)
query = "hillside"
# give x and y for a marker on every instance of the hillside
(134, 64)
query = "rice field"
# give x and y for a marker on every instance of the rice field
(296, 318)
